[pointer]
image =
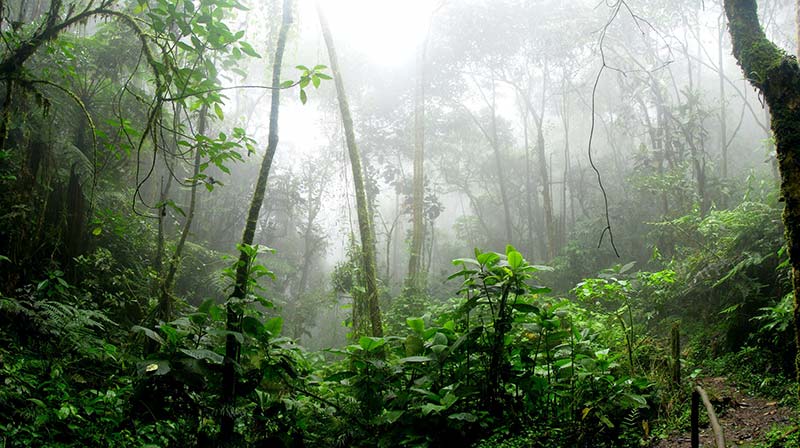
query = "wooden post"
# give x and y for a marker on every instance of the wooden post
(695, 419)
(676, 354)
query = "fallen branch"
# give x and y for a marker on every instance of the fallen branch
(719, 437)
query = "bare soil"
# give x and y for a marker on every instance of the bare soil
(745, 419)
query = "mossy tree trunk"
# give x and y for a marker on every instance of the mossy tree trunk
(414, 281)
(369, 301)
(166, 301)
(777, 76)
(234, 307)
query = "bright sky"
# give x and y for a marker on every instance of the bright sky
(386, 31)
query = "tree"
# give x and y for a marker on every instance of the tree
(413, 281)
(369, 303)
(165, 302)
(234, 305)
(777, 76)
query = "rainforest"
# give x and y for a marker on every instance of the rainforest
(400, 223)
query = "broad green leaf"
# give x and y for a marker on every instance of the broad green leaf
(303, 96)
(369, 343)
(339, 376)
(415, 359)
(155, 367)
(202, 353)
(248, 50)
(416, 323)
(488, 259)
(252, 326)
(274, 326)
(464, 261)
(515, 259)
(440, 339)
(149, 333)
(225, 333)
(525, 308)
(218, 111)
(465, 416)
(627, 267)
(392, 416)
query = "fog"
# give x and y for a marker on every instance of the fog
(660, 81)
(512, 92)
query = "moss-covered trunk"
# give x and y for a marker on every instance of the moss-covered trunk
(414, 281)
(166, 303)
(370, 299)
(234, 308)
(777, 76)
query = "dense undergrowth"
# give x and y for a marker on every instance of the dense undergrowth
(120, 324)
(502, 363)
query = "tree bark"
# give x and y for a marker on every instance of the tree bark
(234, 309)
(414, 282)
(165, 302)
(370, 301)
(723, 121)
(777, 76)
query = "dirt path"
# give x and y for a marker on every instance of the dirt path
(744, 419)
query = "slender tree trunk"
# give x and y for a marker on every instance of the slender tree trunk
(723, 122)
(165, 302)
(370, 301)
(309, 242)
(544, 177)
(234, 307)
(777, 76)
(529, 190)
(797, 28)
(565, 176)
(414, 282)
(500, 171)
(547, 196)
(162, 214)
(547, 190)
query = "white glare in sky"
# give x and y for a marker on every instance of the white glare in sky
(386, 31)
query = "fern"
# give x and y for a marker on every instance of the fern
(69, 326)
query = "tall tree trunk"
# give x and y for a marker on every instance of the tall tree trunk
(797, 28)
(547, 196)
(565, 175)
(501, 177)
(165, 302)
(777, 76)
(723, 122)
(310, 243)
(414, 281)
(530, 194)
(370, 300)
(234, 307)
(163, 191)
(544, 177)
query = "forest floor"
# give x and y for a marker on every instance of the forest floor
(745, 418)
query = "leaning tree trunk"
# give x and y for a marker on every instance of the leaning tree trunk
(777, 76)
(234, 309)
(165, 302)
(370, 301)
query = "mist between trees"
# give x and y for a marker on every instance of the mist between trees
(384, 223)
